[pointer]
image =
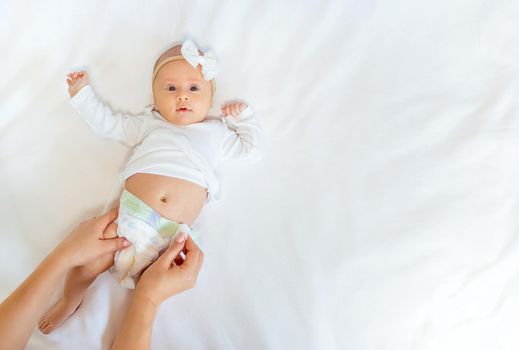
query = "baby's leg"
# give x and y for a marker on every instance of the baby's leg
(77, 281)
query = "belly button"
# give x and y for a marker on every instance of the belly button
(163, 199)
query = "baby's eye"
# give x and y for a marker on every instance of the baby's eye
(194, 88)
(171, 88)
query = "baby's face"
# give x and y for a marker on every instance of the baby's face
(181, 94)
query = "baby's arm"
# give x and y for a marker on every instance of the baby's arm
(244, 133)
(100, 118)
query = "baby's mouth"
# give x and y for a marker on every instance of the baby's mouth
(183, 109)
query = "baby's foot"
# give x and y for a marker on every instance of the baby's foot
(57, 314)
(78, 280)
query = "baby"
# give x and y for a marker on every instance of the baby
(170, 175)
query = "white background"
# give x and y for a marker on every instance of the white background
(383, 214)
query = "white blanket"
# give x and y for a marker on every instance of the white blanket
(384, 214)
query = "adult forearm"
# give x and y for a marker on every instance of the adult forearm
(20, 312)
(135, 333)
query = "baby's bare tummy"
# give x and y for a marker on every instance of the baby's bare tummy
(176, 199)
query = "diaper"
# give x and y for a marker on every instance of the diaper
(149, 233)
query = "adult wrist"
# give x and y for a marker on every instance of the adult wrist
(140, 296)
(58, 261)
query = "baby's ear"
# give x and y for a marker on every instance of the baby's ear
(153, 107)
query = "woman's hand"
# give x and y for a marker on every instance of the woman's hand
(21, 310)
(87, 243)
(76, 81)
(171, 274)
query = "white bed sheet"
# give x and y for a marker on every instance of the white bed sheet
(383, 214)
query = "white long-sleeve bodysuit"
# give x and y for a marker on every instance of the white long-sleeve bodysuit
(189, 152)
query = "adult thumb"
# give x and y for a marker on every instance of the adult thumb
(113, 244)
(175, 247)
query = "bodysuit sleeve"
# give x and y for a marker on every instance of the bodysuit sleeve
(125, 128)
(243, 136)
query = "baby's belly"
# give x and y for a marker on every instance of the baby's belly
(176, 199)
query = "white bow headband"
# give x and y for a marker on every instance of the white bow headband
(190, 53)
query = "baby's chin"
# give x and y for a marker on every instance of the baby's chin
(185, 118)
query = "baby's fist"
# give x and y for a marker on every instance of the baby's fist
(233, 109)
(76, 81)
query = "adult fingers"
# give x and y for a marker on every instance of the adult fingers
(196, 266)
(105, 219)
(191, 245)
(200, 261)
(179, 260)
(110, 230)
(193, 255)
(191, 267)
(113, 244)
(174, 249)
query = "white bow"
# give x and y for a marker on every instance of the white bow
(208, 61)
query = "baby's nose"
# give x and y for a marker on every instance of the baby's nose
(182, 97)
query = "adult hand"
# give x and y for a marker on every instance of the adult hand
(87, 243)
(20, 311)
(171, 274)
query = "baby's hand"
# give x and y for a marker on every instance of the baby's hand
(76, 81)
(233, 109)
